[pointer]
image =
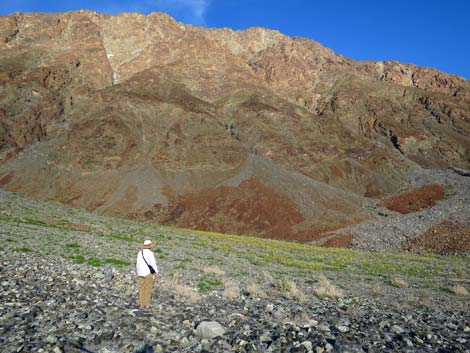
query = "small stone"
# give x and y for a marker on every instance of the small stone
(242, 343)
(312, 323)
(269, 308)
(453, 327)
(319, 350)
(328, 347)
(308, 345)
(342, 328)
(153, 329)
(266, 337)
(51, 339)
(397, 329)
(187, 323)
(109, 275)
(278, 314)
(466, 329)
(408, 343)
(209, 329)
(205, 343)
(99, 275)
(158, 348)
(384, 324)
(57, 350)
(86, 327)
(324, 328)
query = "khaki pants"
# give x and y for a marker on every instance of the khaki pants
(145, 290)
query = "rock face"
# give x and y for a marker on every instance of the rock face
(237, 131)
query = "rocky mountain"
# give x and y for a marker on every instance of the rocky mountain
(249, 132)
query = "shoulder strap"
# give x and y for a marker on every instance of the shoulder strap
(144, 257)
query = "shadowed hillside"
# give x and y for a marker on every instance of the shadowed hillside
(245, 132)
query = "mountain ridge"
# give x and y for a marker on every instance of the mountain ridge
(141, 116)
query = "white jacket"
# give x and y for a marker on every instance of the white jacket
(141, 267)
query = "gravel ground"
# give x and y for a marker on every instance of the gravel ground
(68, 285)
(49, 304)
(389, 232)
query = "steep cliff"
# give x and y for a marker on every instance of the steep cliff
(239, 131)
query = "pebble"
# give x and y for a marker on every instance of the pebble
(308, 345)
(209, 329)
(397, 329)
(51, 339)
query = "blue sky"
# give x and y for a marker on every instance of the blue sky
(434, 33)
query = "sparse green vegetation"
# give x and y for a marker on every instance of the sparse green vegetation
(78, 259)
(100, 262)
(21, 249)
(207, 284)
(73, 246)
(95, 262)
(243, 259)
(284, 285)
(116, 262)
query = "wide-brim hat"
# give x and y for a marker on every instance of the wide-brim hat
(149, 244)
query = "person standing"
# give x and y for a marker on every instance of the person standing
(146, 268)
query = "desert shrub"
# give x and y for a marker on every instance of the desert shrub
(326, 289)
(376, 290)
(459, 290)
(289, 289)
(213, 270)
(255, 291)
(186, 294)
(231, 290)
(399, 282)
(181, 292)
(284, 285)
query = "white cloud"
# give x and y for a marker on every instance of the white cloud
(192, 11)
(188, 11)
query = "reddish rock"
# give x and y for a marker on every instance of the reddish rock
(252, 131)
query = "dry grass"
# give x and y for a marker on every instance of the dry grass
(231, 290)
(376, 290)
(289, 289)
(255, 291)
(213, 270)
(326, 289)
(399, 282)
(181, 292)
(459, 290)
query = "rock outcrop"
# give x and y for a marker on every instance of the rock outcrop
(237, 131)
